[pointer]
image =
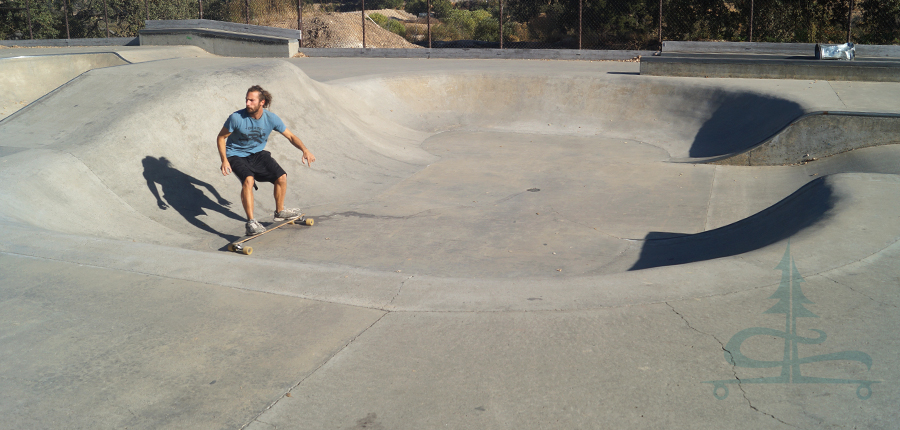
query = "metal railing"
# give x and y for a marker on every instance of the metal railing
(570, 24)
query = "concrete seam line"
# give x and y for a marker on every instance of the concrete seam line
(263, 422)
(324, 362)
(423, 311)
(825, 273)
(119, 198)
(383, 307)
(212, 284)
(712, 189)
(836, 94)
(857, 292)
(586, 309)
(399, 289)
(563, 218)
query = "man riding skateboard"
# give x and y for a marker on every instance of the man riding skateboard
(241, 143)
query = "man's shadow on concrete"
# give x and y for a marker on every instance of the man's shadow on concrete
(179, 192)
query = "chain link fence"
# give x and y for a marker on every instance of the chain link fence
(563, 24)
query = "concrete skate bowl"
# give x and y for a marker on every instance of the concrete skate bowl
(505, 176)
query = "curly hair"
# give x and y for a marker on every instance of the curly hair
(263, 95)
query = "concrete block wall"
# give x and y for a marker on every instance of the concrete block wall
(223, 38)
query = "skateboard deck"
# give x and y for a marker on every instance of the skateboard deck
(238, 245)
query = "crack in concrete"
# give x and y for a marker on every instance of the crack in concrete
(356, 214)
(263, 422)
(615, 259)
(400, 289)
(314, 371)
(730, 360)
(836, 94)
(858, 292)
(563, 218)
(509, 197)
(765, 413)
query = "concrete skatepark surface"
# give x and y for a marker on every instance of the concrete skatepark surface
(498, 244)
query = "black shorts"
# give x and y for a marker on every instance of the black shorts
(261, 166)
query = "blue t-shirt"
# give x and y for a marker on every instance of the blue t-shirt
(249, 135)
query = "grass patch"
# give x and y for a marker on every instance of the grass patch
(389, 24)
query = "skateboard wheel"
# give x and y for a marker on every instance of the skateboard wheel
(309, 221)
(247, 250)
(231, 247)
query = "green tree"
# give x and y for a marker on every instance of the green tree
(45, 19)
(797, 21)
(879, 22)
(384, 4)
(607, 23)
(440, 8)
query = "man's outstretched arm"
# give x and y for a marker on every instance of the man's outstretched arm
(308, 156)
(220, 142)
(152, 185)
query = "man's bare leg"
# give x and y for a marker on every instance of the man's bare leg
(280, 191)
(247, 196)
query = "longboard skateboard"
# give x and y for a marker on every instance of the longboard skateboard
(238, 245)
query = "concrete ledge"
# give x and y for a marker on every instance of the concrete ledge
(475, 53)
(771, 67)
(891, 51)
(225, 43)
(739, 48)
(112, 41)
(820, 134)
(232, 27)
(770, 48)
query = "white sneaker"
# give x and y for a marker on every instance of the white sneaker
(254, 227)
(287, 214)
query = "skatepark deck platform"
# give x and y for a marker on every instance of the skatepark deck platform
(771, 66)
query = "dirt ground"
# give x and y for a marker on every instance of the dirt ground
(344, 30)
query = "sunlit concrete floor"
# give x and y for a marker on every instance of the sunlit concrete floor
(491, 251)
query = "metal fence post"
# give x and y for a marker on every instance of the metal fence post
(147, 8)
(300, 20)
(580, 11)
(247, 10)
(106, 18)
(200, 2)
(30, 31)
(849, 20)
(501, 24)
(364, 22)
(66, 14)
(751, 20)
(660, 25)
(428, 21)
